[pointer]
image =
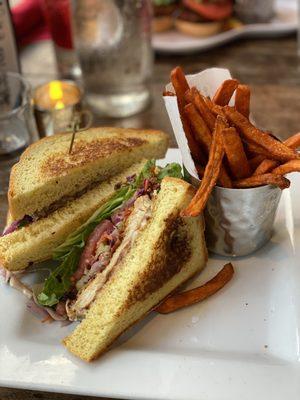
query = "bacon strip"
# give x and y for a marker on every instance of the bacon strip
(86, 258)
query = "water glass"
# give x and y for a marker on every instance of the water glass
(17, 124)
(113, 43)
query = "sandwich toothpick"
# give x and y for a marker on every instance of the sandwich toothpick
(75, 125)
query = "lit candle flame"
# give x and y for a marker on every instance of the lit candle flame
(59, 105)
(56, 94)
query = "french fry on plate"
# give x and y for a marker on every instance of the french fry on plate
(180, 300)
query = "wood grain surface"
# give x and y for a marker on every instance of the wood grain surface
(270, 67)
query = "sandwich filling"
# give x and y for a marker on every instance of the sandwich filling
(89, 256)
(109, 250)
(46, 211)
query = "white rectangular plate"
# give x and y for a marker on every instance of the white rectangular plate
(242, 343)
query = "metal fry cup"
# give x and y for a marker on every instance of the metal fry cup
(239, 221)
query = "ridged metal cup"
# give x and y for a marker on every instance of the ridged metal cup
(239, 221)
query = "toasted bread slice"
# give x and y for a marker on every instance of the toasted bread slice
(165, 254)
(47, 174)
(36, 242)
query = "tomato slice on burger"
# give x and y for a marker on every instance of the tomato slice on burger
(214, 11)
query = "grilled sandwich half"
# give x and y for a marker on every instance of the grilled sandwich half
(153, 259)
(51, 192)
(47, 176)
(35, 242)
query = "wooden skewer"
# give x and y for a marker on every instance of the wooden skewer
(75, 124)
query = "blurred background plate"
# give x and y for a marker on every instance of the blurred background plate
(284, 23)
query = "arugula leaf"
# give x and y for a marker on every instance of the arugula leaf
(172, 169)
(59, 281)
(146, 173)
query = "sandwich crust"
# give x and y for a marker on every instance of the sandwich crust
(171, 252)
(84, 153)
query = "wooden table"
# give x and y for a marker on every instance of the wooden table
(269, 66)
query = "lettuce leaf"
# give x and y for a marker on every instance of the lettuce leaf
(58, 283)
(172, 169)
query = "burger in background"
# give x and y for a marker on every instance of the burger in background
(203, 18)
(163, 11)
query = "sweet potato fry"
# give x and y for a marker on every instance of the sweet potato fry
(211, 173)
(208, 102)
(290, 166)
(189, 297)
(225, 92)
(242, 100)
(265, 166)
(204, 137)
(194, 147)
(276, 149)
(180, 85)
(214, 108)
(168, 93)
(200, 170)
(255, 161)
(265, 179)
(256, 149)
(293, 142)
(235, 154)
(193, 96)
(201, 130)
(217, 110)
(224, 179)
